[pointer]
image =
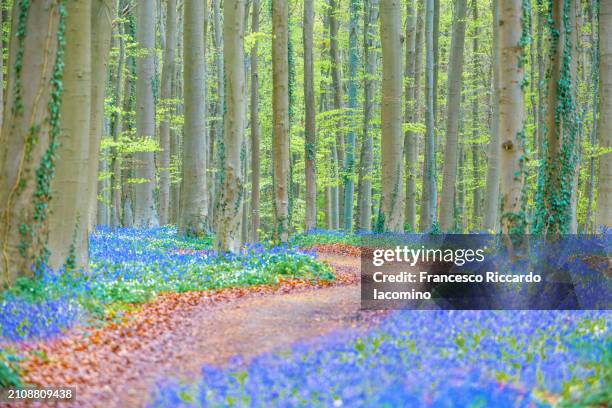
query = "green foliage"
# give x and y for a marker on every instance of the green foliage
(9, 369)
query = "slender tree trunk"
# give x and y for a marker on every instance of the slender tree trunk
(436, 56)
(127, 170)
(310, 151)
(219, 106)
(455, 72)
(491, 199)
(541, 80)
(1, 64)
(391, 116)
(115, 182)
(144, 209)
(68, 221)
(336, 73)
(477, 74)
(349, 163)
(194, 200)
(595, 100)
(429, 196)
(33, 99)
(575, 53)
(280, 107)
(164, 126)
(102, 15)
(411, 113)
(604, 127)
(366, 160)
(511, 116)
(176, 133)
(255, 135)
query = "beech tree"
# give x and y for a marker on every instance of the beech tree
(391, 116)
(31, 110)
(145, 212)
(68, 221)
(230, 204)
(430, 190)
(310, 137)
(366, 158)
(604, 128)
(512, 116)
(491, 199)
(280, 106)
(455, 84)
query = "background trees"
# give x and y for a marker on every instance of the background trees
(154, 118)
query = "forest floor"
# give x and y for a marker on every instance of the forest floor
(176, 334)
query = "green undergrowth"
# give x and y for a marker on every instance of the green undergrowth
(129, 267)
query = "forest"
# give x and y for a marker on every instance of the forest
(163, 162)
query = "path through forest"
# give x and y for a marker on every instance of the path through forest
(179, 333)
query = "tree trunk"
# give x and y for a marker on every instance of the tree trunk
(336, 73)
(217, 137)
(511, 116)
(595, 101)
(231, 193)
(102, 14)
(33, 97)
(310, 136)
(366, 160)
(477, 74)
(429, 196)
(455, 72)
(144, 209)
(68, 221)
(391, 116)
(491, 202)
(604, 127)
(102, 213)
(280, 107)
(164, 126)
(411, 113)
(255, 135)
(541, 82)
(554, 199)
(115, 182)
(194, 200)
(349, 163)
(575, 57)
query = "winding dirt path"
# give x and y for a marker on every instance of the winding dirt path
(117, 365)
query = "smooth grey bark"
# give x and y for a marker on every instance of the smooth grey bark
(338, 149)
(491, 199)
(411, 115)
(511, 115)
(115, 182)
(69, 209)
(455, 83)
(255, 133)
(194, 199)
(219, 107)
(366, 160)
(145, 212)
(310, 136)
(164, 126)
(102, 14)
(280, 107)
(429, 196)
(391, 116)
